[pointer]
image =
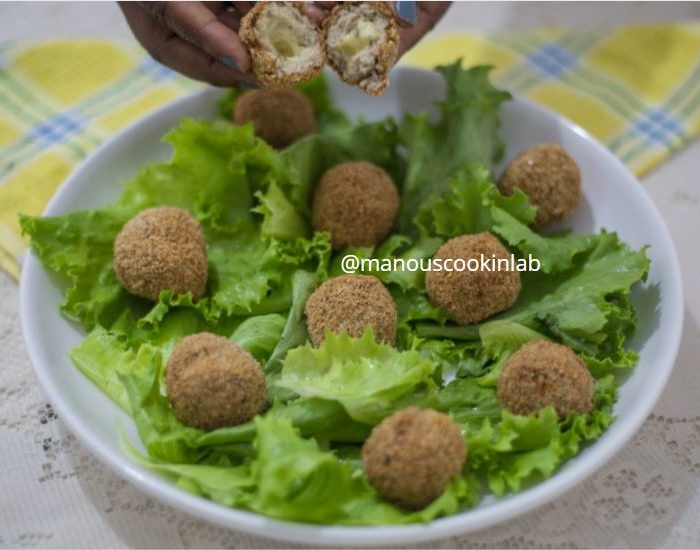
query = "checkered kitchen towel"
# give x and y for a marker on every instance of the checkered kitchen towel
(58, 101)
(637, 89)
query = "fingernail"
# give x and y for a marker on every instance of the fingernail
(406, 11)
(247, 85)
(230, 62)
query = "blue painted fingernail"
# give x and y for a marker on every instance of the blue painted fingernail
(407, 11)
(230, 62)
(247, 85)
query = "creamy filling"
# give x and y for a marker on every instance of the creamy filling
(354, 39)
(290, 37)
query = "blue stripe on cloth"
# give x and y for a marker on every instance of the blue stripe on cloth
(552, 60)
(58, 128)
(658, 126)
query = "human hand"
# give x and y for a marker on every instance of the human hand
(197, 39)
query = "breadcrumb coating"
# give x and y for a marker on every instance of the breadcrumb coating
(542, 373)
(351, 303)
(357, 202)
(361, 41)
(161, 248)
(411, 456)
(549, 177)
(279, 117)
(472, 296)
(284, 44)
(212, 382)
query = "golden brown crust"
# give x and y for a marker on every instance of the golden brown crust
(279, 117)
(541, 374)
(212, 382)
(265, 64)
(411, 456)
(160, 249)
(351, 303)
(357, 203)
(550, 178)
(472, 296)
(378, 82)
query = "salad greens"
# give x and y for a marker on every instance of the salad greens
(300, 459)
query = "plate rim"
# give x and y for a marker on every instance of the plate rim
(258, 524)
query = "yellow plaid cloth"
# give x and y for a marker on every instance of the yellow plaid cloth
(637, 89)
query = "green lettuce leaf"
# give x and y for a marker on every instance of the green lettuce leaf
(305, 161)
(78, 248)
(102, 358)
(226, 484)
(517, 451)
(294, 332)
(294, 475)
(260, 334)
(288, 476)
(367, 378)
(215, 172)
(587, 307)
(470, 204)
(466, 131)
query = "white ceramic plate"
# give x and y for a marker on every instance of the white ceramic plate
(613, 199)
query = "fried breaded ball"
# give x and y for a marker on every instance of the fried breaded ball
(542, 373)
(411, 456)
(212, 382)
(351, 303)
(357, 203)
(284, 44)
(472, 296)
(162, 248)
(279, 117)
(549, 177)
(361, 40)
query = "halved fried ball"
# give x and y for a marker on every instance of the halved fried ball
(284, 44)
(411, 456)
(362, 43)
(542, 373)
(549, 177)
(212, 382)
(472, 296)
(161, 248)
(351, 303)
(279, 117)
(357, 203)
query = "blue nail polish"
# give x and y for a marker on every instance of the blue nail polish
(247, 86)
(230, 62)
(407, 11)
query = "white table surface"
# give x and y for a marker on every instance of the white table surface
(53, 493)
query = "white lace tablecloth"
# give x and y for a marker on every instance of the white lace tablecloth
(54, 493)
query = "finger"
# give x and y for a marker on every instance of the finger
(171, 50)
(227, 13)
(189, 60)
(193, 22)
(429, 13)
(406, 12)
